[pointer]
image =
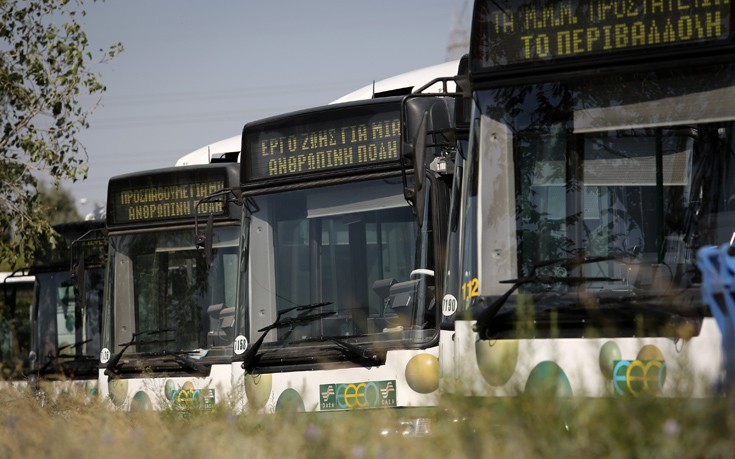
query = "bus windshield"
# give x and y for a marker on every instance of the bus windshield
(64, 326)
(160, 284)
(599, 191)
(354, 246)
(15, 329)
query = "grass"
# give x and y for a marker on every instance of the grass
(72, 426)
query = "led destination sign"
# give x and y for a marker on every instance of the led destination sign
(523, 31)
(169, 197)
(321, 141)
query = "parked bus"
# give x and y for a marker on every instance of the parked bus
(600, 160)
(15, 336)
(138, 389)
(169, 310)
(228, 150)
(344, 211)
(66, 310)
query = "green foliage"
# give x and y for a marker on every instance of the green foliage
(44, 70)
(73, 425)
(57, 204)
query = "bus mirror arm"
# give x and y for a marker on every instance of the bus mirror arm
(208, 235)
(204, 241)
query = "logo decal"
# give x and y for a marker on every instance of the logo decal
(636, 377)
(188, 399)
(348, 396)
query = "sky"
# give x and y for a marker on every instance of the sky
(193, 72)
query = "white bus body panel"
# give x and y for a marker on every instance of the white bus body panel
(386, 386)
(205, 154)
(413, 79)
(180, 393)
(585, 367)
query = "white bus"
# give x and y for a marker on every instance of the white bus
(50, 332)
(344, 228)
(229, 149)
(168, 310)
(593, 175)
(65, 316)
(15, 325)
(149, 359)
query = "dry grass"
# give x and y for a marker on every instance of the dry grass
(72, 426)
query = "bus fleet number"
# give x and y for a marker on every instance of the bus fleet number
(470, 289)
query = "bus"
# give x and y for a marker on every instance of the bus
(141, 389)
(600, 159)
(15, 337)
(226, 150)
(168, 312)
(343, 230)
(66, 310)
(425, 78)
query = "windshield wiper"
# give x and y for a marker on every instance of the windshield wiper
(50, 358)
(113, 366)
(364, 356)
(250, 358)
(484, 318)
(183, 359)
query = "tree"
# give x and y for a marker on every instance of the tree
(44, 69)
(58, 204)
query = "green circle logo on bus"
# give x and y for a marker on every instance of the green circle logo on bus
(140, 402)
(118, 391)
(258, 389)
(168, 389)
(90, 388)
(609, 354)
(497, 360)
(290, 402)
(548, 379)
(645, 375)
(422, 373)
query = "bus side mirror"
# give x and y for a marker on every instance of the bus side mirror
(427, 139)
(463, 99)
(204, 240)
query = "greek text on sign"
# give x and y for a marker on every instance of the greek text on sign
(165, 202)
(295, 148)
(540, 30)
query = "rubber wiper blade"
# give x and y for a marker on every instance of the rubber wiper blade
(366, 357)
(573, 261)
(302, 307)
(77, 344)
(484, 318)
(250, 357)
(50, 358)
(181, 358)
(113, 366)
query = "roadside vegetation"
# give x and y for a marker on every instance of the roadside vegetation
(73, 426)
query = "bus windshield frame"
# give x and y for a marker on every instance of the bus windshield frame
(334, 250)
(595, 197)
(169, 303)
